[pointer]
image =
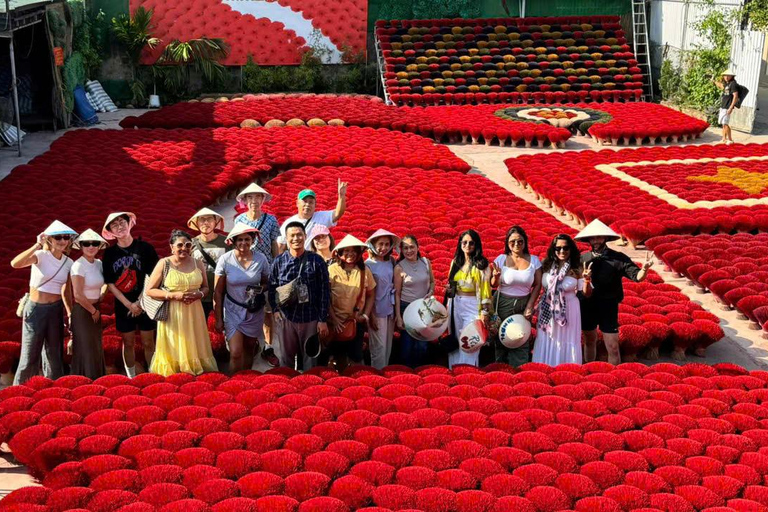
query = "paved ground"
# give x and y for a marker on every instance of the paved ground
(742, 345)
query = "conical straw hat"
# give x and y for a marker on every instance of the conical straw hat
(239, 229)
(192, 222)
(254, 188)
(106, 233)
(597, 228)
(89, 235)
(59, 228)
(383, 232)
(349, 241)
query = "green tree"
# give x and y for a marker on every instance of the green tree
(134, 33)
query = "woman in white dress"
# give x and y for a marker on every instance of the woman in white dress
(558, 335)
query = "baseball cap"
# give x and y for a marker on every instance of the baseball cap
(307, 192)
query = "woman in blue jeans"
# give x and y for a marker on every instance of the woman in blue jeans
(413, 280)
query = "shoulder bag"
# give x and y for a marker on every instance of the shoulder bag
(23, 301)
(155, 309)
(349, 327)
(287, 294)
(494, 323)
(207, 257)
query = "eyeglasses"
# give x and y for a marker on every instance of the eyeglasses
(185, 245)
(517, 242)
(467, 243)
(90, 244)
(562, 249)
(61, 237)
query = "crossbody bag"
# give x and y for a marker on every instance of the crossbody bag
(23, 301)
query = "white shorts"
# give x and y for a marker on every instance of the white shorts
(723, 118)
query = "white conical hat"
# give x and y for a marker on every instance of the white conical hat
(349, 241)
(106, 233)
(239, 229)
(514, 331)
(383, 232)
(59, 228)
(254, 188)
(728, 72)
(89, 235)
(597, 228)
(192, 222)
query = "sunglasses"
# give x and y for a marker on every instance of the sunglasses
(90, 244)
(61, 237)
(562, 249)
(185, 245)
(517, 242)
(467, 242)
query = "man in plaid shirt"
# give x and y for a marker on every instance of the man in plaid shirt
(307, 316)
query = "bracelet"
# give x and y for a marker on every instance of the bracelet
(364, 316)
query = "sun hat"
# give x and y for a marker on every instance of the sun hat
(307, 192)
(106, 233)
(380, 233)
(597, 228)
(349, 241)
(192, 222)
(239, 229)
(728, 72)
(89, 235)
(59, 228)
(317, 230)
(514, 331)
(253, 188)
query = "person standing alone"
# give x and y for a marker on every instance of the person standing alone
(728, 101)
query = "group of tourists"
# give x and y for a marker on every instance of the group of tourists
(289, 295)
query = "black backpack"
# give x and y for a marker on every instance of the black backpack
(743, 91)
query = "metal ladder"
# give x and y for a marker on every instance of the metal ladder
(381, 66)
(642, 47)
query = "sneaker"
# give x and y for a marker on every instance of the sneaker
(268, 355)
(728, 142)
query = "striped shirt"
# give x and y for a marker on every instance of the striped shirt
(269, 230)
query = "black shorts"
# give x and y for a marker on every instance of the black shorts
(125, 323)
(600, 312)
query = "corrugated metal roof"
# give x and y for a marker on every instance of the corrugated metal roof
(22, 4)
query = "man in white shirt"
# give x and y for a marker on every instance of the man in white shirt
(306, 204)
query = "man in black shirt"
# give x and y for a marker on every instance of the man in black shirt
(602, 307)
(125, 266)
(727, 103)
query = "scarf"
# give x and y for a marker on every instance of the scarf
(552, 304)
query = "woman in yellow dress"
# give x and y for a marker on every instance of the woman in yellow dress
(183, 344)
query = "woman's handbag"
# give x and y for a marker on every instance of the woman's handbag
(288, 294)
(155, 309)
(349, 327)
(23, 301)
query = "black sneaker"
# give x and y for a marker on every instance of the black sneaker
(268, 354)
